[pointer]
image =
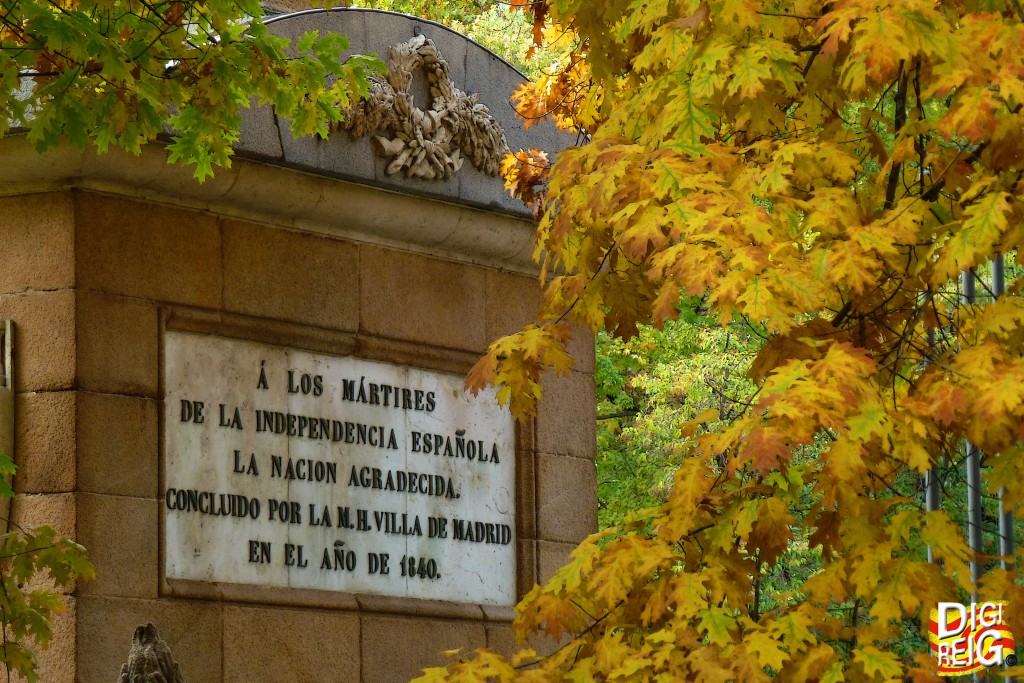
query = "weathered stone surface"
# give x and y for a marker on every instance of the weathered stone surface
(566, 418)
(44, 442)
(57, 662)
(260, 132)
(149, 660)
(37, 242)
(192, 629)
(527, 572)
(117, 444)
(290, 276)
(122, 538)
(56, 510)
(566, 498)
(321, 646)
(145, 250)
(116, 344)
(513, 301)
(412, 297)
(501, 639)
(550, 558)
(526, 492)
(396, 650)
(44, 333)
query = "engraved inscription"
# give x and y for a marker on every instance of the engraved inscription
(294, 469)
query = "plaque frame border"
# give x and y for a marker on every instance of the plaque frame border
(365, 347)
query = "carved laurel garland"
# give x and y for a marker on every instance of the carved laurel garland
(429, 143)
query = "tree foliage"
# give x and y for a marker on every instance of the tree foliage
(823, 171)
(648, 388)
(120, 73)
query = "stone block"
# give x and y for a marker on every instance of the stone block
(57, 662)
(56, 510)
(191, 629)
(121, 534)
(581, 348)
(117, 445)
(339, 155)
(117, 345)
(419, 608)
(488, 192)
(550, 558)
(146, 250)
(37, 242)
(513, 301)
(302, 278)
(526, 492)
(496, 81)
(259, 136)
(411, 297)
(44, 339)
(44, 442)
(501, 614)
(396, 649)
(566, 498)
(526, 569)
(502, 639)
(566, 417)
(277, 644)
(490, 239)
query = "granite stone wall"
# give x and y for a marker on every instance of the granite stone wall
(94, 279)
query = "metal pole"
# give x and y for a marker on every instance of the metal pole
(972, 465)
(931, 477)
(1006, 517)
(1006, 542)
(6, 407)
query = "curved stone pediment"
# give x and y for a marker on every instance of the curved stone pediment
(405, 137)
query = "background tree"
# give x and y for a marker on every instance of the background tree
(648, 389)
(824, 171)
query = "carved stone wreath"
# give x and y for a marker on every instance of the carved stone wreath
(431, 143)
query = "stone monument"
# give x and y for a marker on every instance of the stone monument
(245, 397)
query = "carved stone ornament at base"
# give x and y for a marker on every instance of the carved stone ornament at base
(429, 143)
(149, 660)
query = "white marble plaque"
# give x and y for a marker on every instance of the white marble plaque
(295, 469)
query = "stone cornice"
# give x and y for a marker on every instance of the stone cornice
(271, 194)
